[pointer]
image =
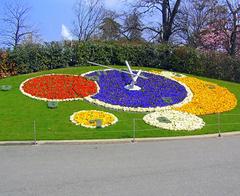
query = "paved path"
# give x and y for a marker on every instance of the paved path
(208, 167)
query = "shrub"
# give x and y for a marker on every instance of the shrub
(36, 57)
(28, 58)
(186, 59)
(221, 66)
(7, 68)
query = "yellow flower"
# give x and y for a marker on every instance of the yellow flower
(208, 98)
(155, 72)
(88, 118)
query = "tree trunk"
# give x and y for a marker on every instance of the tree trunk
(165, 37)
(168, 17)
(233, 38)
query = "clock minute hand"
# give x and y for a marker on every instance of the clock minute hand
(129, 69)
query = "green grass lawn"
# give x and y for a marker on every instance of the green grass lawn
(18, 112)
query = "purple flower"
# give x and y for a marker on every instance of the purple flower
(156, 91)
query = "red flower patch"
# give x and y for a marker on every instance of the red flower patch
(59, 87)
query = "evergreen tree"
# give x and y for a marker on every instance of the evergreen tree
(133, 26)
(110, 28)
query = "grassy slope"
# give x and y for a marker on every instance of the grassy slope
(17, 113)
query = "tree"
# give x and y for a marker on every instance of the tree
(194, 16)
(110, 28)
(16, 27)
(224, 34)
(88, 17)
(215, 37)
(234, 9)
(166, 11)
(132, 27)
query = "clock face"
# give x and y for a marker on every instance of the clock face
(156, 91)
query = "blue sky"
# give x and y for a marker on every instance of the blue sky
(49, 15)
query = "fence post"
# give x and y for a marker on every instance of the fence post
(219, 126)
(34, 133)
(134, 130)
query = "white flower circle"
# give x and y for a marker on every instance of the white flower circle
(174, 120)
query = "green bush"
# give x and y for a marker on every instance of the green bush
(37, 57)
(185, 59)
(221, 66)
(7, 67)
(29, 58)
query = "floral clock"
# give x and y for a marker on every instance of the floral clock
(157, 92)
(172, 100)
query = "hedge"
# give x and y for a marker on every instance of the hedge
(36, 57)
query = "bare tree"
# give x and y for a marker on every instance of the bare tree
(165, 11)
(194, 16)
(16, 27)
(88, 17)
(234, 10)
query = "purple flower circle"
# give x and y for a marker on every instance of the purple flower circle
(156, 91)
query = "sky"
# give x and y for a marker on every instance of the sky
(49, 16)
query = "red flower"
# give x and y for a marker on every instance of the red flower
(60, 87)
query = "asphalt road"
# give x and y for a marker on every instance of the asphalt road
(188, 168)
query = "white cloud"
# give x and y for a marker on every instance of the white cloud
(66, 34)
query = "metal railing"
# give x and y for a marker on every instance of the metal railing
(134, 128)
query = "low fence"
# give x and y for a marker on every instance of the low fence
(132, 128)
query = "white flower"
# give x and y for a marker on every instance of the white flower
(174, 120)
(170, 75)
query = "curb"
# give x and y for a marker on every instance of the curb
(117, 141)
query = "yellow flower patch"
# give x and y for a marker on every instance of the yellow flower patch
(157, 72)
(89, 118)
(167, 74)
(208, 98)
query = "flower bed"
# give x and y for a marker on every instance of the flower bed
(208, 98)
(58, 87)
(174, 120)
(89, 118)
(168, 74)
(157, 92)
(174, 98)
